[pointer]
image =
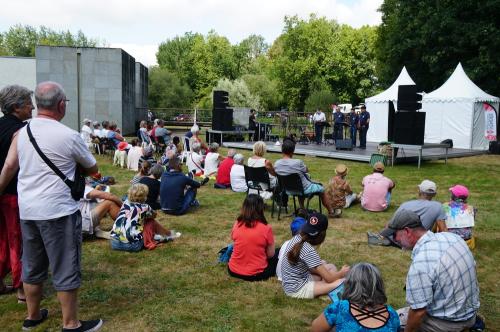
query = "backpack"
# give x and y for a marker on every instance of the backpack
(225, 254)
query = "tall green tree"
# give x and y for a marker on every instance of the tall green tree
(300, 55)
(430, 38)
(21, 40)
(167, 90)
(266, 89)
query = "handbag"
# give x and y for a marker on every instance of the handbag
(77, 186)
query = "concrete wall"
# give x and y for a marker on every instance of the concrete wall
(141, 92)
(99, 82)
(16, 70)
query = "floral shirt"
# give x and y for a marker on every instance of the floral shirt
(129, 224)
(336, 191)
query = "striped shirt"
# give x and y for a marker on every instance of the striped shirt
(442, 277)
(295, 276)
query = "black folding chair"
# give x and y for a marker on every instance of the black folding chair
(255, 177)
(292, 185)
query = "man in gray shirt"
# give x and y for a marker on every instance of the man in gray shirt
(430, 212)
(288, 165)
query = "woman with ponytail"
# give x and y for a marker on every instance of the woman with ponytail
(304, 274)
(254, 257)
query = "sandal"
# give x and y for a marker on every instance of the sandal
(20, 300)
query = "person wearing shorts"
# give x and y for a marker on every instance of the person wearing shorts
(51, 223)
(289, 165)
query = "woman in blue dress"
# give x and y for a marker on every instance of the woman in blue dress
(362, 307)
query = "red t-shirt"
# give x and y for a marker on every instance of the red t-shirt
(224, 171)
(249, 252)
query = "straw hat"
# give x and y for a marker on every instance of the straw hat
(341, 169)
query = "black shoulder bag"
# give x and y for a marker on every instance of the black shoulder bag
(77, 186)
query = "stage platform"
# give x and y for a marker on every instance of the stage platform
(406, 155)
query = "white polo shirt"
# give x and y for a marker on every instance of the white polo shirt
(42, 194)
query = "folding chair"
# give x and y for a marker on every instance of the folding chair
(185, 150)
(292, 185)
(376, 157)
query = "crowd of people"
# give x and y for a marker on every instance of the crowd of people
(44, 204)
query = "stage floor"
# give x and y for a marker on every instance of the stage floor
(406, 155)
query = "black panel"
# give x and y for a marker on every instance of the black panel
(409, 128)
(408, 98)
(390, 126)
(343, 144)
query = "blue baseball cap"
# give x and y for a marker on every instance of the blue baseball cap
(296, 225)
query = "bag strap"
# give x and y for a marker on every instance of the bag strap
(56, 170)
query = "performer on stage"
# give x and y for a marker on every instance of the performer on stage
(338, 123)
(353, 122)
(252, 125)
(363, 124)
(319, 120)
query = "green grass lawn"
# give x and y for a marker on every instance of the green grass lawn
(179, 286)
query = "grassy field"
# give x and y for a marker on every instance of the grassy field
(180, 287)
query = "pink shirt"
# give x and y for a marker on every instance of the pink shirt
(376, 186)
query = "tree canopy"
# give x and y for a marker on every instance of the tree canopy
(431, 37)
(21, 40)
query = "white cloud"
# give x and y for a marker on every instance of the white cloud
(142, 25)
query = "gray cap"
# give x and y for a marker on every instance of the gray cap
(401, 220)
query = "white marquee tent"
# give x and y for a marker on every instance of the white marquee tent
(378, 107)
(460, 110)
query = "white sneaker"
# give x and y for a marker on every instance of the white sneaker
(173, 235)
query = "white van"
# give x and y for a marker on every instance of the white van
(345, 108)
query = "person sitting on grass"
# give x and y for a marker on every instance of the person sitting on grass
(94, 206)
(289, 165)
(303, 272)
(195, 130)
(254, 257)
(460, 215)
(173, 148)
(338, 192)
(362, 307)
(430, 212)
(237, 174)
(295, 227)
(212, 160)
(135, 227)
(134, 155)
(152, 181)
(143, 171)
(377, 189)
(223, 179)
(195, 160)
(147, 155)
(178, 191)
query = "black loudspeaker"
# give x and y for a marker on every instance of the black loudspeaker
(221, 99)
(408, 98)
(390, 125)
(448, 141)
(227, 119)
(343, 144)
(409, 128)
(494, 147)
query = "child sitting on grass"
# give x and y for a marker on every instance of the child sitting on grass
(338, 192)
(303, 272)
(135, 228)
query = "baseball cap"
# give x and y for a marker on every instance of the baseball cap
(315, 224)
(296, 225)
(401, 220)
(379, 166)
(459, 191)
(427, 187)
